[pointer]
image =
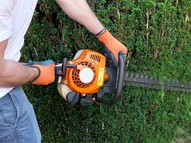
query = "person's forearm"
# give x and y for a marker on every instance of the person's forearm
(13, 73)
(80, 11)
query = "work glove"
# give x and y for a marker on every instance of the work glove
(111, 43)
(46, 72)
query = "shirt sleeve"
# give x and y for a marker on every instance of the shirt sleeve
(6, 8)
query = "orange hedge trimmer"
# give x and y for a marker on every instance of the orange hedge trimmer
(90, 75)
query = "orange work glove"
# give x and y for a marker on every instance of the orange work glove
(46, 72)
(111, 43)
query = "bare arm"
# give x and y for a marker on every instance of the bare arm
(80, 11)
(13, 73)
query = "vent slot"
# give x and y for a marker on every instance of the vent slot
(76, 79)
(95, 57)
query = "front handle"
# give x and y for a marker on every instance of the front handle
(119, 82)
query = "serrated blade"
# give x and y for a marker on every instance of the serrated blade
(138, 80)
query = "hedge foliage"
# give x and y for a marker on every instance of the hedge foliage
(158, 36)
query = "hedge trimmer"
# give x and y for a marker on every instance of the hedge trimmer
(90, 76)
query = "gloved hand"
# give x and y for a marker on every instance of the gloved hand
(112, 44)
(46, 72)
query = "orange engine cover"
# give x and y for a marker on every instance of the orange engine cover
(89, 74)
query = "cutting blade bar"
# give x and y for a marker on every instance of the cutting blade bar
(138, 80)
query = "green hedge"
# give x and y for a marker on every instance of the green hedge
(158, 36)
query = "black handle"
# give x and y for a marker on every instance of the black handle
(61, 70)
(119, 82)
